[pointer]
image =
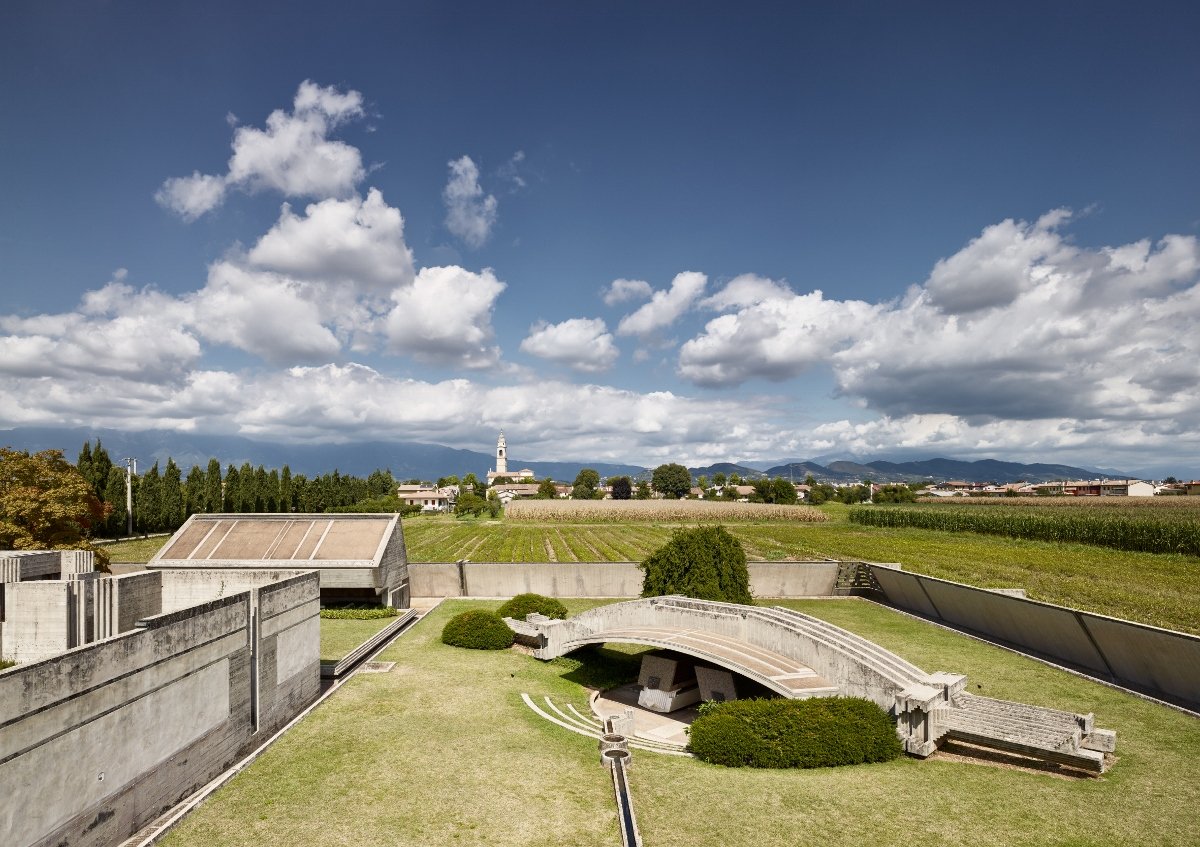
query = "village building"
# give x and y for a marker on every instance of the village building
(501, 469)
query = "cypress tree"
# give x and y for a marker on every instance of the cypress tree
(233, 490)
(146, 512)
(245, 502)
(170, 497)
(213, 498)
(101, 465)
(194, 491)
(114, 496)
(287, 500)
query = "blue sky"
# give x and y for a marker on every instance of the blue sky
(998, 208)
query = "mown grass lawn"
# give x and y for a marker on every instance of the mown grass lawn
(340, 637)
(137, 551)
(442, 751)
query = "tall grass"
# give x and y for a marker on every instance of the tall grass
(1145, 529)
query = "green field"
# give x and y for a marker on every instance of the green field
(441, 750)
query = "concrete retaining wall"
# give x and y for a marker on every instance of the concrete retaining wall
(598, 579)
(97, 741)
(183, 587)
(1157, 660)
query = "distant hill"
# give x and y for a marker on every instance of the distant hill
(983, 470)
(405, 459)
(744, 471)
(411, 459)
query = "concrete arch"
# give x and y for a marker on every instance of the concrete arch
(799, 656)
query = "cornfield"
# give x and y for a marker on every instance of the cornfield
(1121, 526)
(658, 511)
(1115, 504)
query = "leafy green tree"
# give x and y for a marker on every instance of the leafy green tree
(702, 481)
(586, 482)
(469, 503)
(776, 490)
(45, 503)
(671, 480)
(704, 562)
(101, 465)
(718, 479)
(735, 478)
(502, 480)
(380, 483)
(547, 490)
(897, 493)
(621, 487)
(642, 491)
(821, 492)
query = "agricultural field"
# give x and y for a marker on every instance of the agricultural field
(1146, 524)
(405, 758)
(1158, 589)
(658, 511)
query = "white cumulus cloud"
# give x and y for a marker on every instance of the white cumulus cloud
(470, 215)
(665, 306)
(355, 242)
(625, 290)
(445, 317)
(293, 155)
(584, 344)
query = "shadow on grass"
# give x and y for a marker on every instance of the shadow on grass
(600, 667)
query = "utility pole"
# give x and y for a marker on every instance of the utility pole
(130, 470)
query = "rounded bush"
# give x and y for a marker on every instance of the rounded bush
(523, 604)
(705, 562)
(477, 630)
(817, 733)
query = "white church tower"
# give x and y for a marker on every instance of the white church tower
(501, 456)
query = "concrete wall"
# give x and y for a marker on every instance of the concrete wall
(288, 659)
(1158, 660)
(598, 579)
(97, 741)
(183, 587)
(47, 617)
(94, 743)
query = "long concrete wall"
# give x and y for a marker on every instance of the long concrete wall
(95, 742)
(598, 579)
(1157, 660)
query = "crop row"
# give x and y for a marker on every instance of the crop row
(1143, 530)
(1183, 506)
(657, 511)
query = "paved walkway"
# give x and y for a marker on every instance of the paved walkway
(671, 728)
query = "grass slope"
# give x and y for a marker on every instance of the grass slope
(442, 751)
(339, 638)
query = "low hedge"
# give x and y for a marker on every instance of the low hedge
(477, 630)
(523, 604)
(817, 733)
(359, 613)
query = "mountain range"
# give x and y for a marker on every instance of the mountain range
(414, 460)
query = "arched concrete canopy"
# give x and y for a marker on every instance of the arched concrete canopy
(775, 671)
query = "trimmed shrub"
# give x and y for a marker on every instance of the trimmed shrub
(523, 604)
(818, 733)
(359, 613)
(704, 562)
(477, 630)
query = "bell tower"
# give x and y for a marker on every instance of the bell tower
(501, 455)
